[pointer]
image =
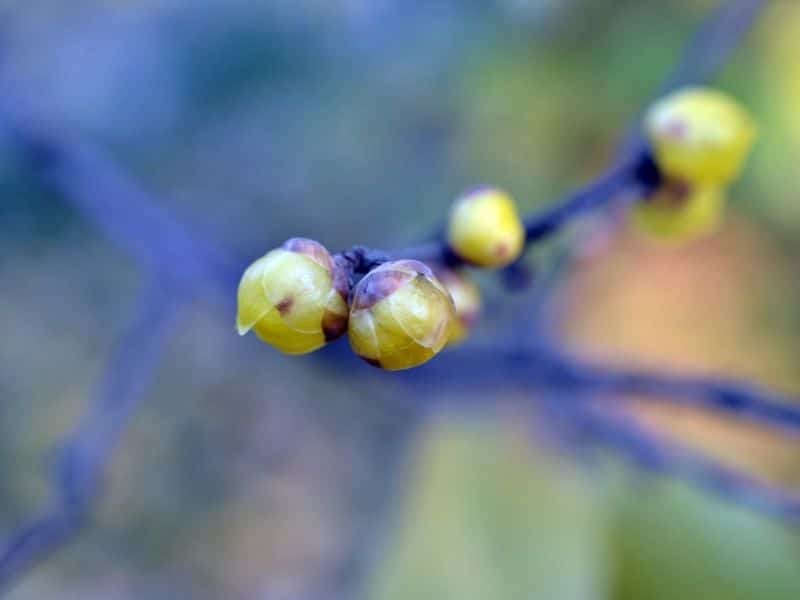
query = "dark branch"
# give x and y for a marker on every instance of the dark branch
(740, 399)
(546, 368)
(711, 47)
(636, 171)
(656, 454)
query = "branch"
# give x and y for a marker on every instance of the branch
(739, 399)
(711, 47)
(84, 457)
(634, 171)
(657, 454)
(714, 43)
(544, 367)
(586, 398)
(88, 179)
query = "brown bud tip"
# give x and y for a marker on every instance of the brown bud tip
(311, 248)
(386, 279)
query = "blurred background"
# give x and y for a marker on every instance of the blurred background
(249, 474)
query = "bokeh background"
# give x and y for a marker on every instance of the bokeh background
(248, 474)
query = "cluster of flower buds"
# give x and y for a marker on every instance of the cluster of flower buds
(700, 139)
(401, 314)
(398, 315)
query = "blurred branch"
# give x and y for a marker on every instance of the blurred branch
(657, 454)
(739, 399)
(88, 179)
(714, 43)
(86, 454)
(588, 399)
(634, 170)
(706, 53)
(544, 367)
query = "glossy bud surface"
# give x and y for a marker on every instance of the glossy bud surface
(485, 229)
(293, 298)
(400, 315)
(700, 135)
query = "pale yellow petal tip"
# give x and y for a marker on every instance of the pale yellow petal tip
(243, 329)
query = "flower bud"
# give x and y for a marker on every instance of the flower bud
(700, 135)
(677, 211)
(294, 297)
(485, 229)
(467, 300)
(400, 315)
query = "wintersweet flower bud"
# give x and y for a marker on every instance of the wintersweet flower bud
(485, 228)
(400, 315)
(677, 211)
(700, 135)
(294, 297)
(467, 300)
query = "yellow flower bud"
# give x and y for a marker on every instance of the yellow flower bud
(485, 229)
(467, 300)
(400, 315)
(700, 135)
(294, 297)
(677, 211)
